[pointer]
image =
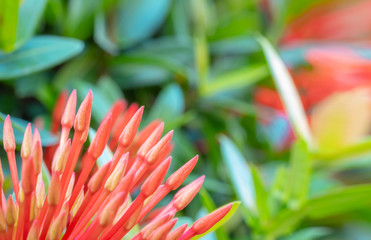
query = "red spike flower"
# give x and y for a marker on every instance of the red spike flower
(97, 205)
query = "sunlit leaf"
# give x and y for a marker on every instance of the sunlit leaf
(237, 79)
(300, 174)
(337, 123)
(287, 90)
(8, 24)
(30, 13)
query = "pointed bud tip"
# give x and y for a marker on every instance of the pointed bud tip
(178, 177)
(8, 135)
(69, 111)
(177, 233)
(205, 223)
(27, 142)
(157, 176)
(185, 195)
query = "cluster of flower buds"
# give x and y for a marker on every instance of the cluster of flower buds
(85, 201)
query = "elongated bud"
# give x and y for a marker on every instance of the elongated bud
(146, 131)
(121, 211)
(82, 120)
(28, 176)
(177, 233)
(57, 226)
(1, 177)
(128, 134)
(70, 186)
(156, 223)
(36, 137)
(101, 138)
(34, 232)
(151, 140)
(178, 177)
(161, 232)
(8, 135)
(54, 190)
(61, 156)
(2, 221)
(33, 210)
(40, 192)
(117, 173)
(205, 223)
(37, 156)
(153, 155)
(185, 195)
(77, 204)
(27, 142)
(69, 111)
(109, 211)
(154, 180)
(97, 179)
(11, 214)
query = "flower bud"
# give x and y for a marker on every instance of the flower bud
(178, 177)
(129, 132)
(69, 111)
(54, 190)
(154, 180)
(205, 223)
(8, 135)
(101, 138)
(97, 179)
(177, 233)
(185, 195)
(27, 142)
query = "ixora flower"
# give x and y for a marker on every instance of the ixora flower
(340, 20)
(338, 80)
(91, 202)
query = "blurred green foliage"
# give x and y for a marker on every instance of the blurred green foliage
(194, 64)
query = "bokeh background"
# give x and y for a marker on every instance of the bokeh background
(274, 95)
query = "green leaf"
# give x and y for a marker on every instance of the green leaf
(19, 127)
(221, 222)
(80, 18)
(137, 20)
(234, 80)
(240, 173)
(157, 60)
(300, 174)
(38, 54)
(287, 90)
(339, 201)
(107, 153)
(8, 24)
(109, 88)
(30, 13)
(261, 195)
(311, 233)
(168, 105)
(101, 36)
